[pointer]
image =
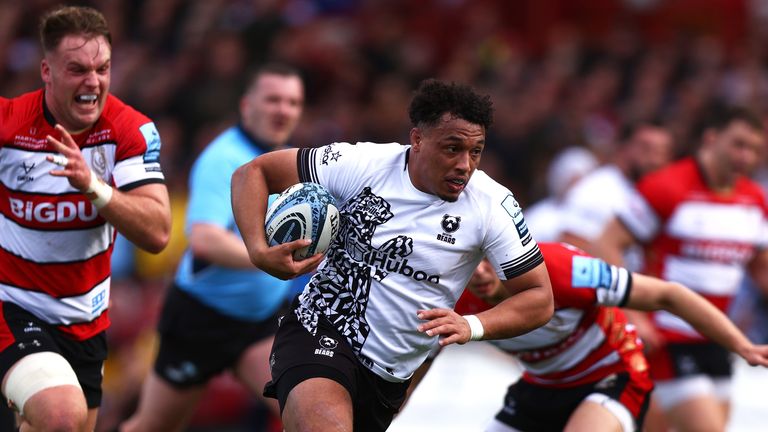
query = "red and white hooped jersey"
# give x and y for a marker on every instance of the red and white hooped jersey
(55, 248)
(695, 236)
(588, 337)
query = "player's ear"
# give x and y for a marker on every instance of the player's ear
(416, 137)
(45, 71)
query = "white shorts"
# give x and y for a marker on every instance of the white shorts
(672, 392)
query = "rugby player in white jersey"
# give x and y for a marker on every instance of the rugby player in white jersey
(415, 221)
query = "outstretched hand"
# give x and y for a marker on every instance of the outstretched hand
(280, 263)
(756, 355)
(445, 323)
(70, 159)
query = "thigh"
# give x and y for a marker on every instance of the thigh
(298, 355)
(324, 361)
(701, 414)
(25, 334)
(253, 366)
(691, 403)
(315, 403)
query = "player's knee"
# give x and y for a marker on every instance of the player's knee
(44, 389)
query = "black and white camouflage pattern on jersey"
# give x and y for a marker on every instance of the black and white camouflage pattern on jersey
(340, 291)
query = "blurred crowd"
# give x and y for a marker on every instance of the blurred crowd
(561, 73)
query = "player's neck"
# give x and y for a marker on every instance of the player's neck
(715, 177)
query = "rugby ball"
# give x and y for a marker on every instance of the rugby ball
(304, 210)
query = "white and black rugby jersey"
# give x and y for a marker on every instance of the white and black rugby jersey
(400, 250)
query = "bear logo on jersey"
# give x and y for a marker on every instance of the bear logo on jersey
(328, 342)
(450, 223)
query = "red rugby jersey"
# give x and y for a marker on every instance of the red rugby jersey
(55, 248)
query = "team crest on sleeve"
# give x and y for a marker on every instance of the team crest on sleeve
(330, 154)
(513, 209)
(152, 138)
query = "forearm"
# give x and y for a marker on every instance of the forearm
(143, 216)
(519, 314)
(705, 318)
(219, 246)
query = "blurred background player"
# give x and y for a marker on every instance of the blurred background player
(702, 222)
(593, 201)
(545, 217)
(221, 313)
(77, 164)
(584, 370)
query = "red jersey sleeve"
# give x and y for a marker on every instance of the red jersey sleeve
(581, 281)
(137, 155)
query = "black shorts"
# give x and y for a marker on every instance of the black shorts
(32, 335)
(529, 407)
(679, 360)
(297, 355)
(197, 342)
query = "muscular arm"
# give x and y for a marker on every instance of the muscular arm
(252, 184)
(142, 215)
(650, 293)
(530, 306)
(610, 246)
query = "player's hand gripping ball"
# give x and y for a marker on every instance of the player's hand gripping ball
(304, 210)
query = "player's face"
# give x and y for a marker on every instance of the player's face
(445, 156)
(484, 282)
(77, 75)
(739, 149)
(652, 149)
(272, 108)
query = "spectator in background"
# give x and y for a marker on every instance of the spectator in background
(221, 313)
(544, 217)
(77, 165)
(594, 200)
(702, 222)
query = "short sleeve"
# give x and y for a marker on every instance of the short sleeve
(209, 190)
(137, 160)
(580, 280)
(510, 246)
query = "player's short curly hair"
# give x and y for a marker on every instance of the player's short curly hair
(72, 20)
(435, 98)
